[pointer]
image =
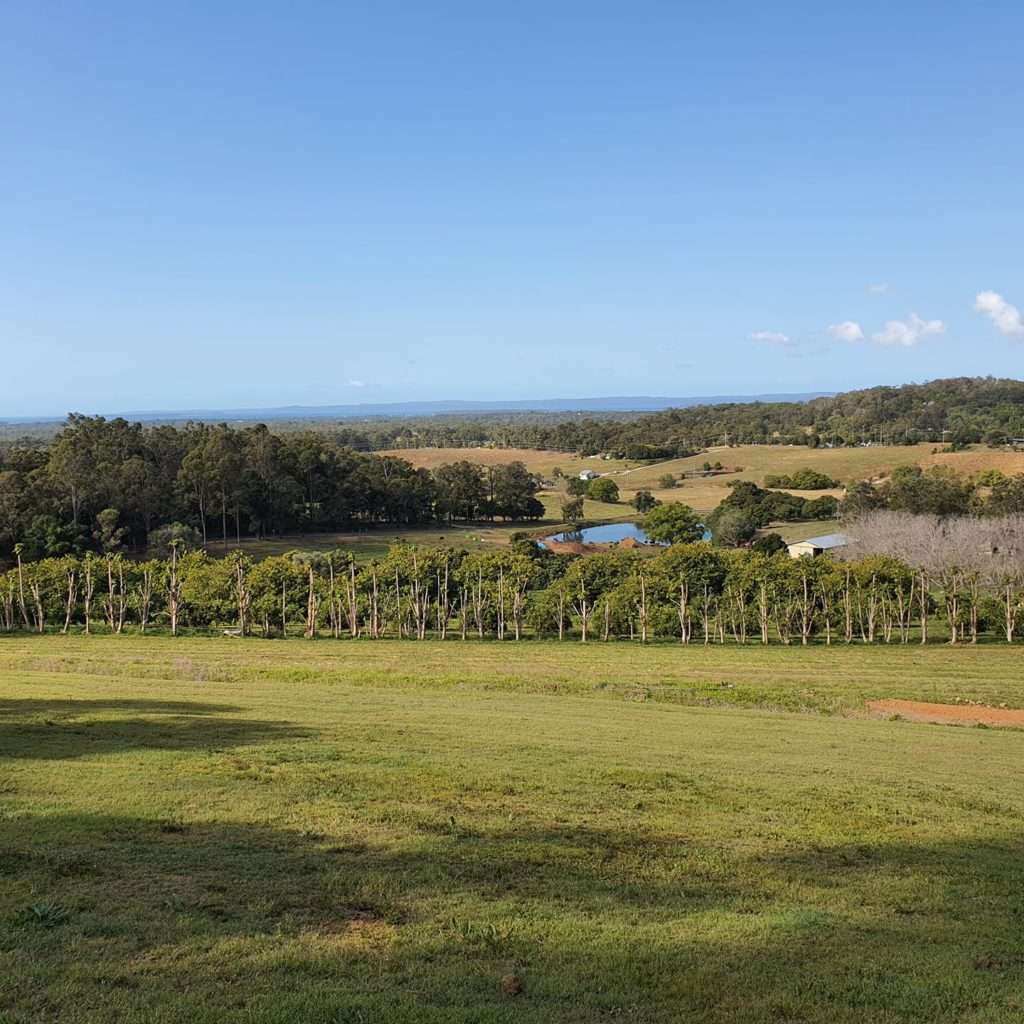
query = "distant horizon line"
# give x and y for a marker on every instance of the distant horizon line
(358, 410)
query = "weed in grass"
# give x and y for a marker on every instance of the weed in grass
(489, 936)
(46, 915)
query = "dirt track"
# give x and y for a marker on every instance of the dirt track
(951, 714)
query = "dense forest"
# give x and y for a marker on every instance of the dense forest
(108, 484)
(965, 410)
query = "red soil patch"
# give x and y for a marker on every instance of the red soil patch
(575, 547)
(952, 714)
(569, 547)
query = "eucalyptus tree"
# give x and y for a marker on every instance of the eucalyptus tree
(460, 490)
(198, 478)
(513, 492)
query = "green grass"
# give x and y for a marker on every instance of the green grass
(276, 831)
(374, 542)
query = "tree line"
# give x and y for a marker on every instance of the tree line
(953, 412)
(909, 579)
(107, 484)
(938, 491)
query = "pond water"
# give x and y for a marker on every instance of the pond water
(609, 533)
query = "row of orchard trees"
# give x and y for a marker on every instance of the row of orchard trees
(690, 592)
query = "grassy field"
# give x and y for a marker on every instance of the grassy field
(843, 464)
(536, 460)
(280, 831)
(374, 543)
(755, 462)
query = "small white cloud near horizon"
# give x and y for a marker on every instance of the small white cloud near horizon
(909, 332)
(878, 289)
(770, 337)
(357, 384)
(848, 330)
(1006, 318)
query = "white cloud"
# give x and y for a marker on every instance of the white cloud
(1006, 317)
(770, 337)
(848, 330)
(357, 384)
(908, 332)
(878, 289)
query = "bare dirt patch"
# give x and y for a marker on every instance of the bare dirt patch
(951, 714)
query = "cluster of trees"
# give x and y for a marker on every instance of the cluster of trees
(939, 491)
(106, 484)
(802, 480)
(748, 508)
(601, 488)
(957, 411)
(692, 592)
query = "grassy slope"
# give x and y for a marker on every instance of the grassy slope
(334, 832)
(536, 460)
(844, 464)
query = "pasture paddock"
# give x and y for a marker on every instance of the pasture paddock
(220, 830)
(756, 462)
(536, 460)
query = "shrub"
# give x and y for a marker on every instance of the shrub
(673, 523)
(644, 501)
(769, 544)
(802, 480)
(603, 489)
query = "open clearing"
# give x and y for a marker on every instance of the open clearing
(536, 460)
(374, 542)
(213, 830)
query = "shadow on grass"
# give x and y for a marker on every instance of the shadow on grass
(235, 922)
(60, 729)
(20, 708)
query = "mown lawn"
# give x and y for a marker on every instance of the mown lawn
(276, 831)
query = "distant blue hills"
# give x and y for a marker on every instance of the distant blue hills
(616, 404)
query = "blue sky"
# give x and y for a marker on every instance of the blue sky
(216, 204)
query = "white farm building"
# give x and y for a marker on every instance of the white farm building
(815, 546)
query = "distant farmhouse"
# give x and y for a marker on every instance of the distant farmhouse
(815, 546)
(588, 474)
